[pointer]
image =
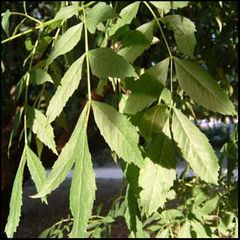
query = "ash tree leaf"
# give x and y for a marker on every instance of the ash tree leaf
(127, 14)
(184, 231)
(39, 76)
(131, 53)
(99, 13)
(83, 186)
(5, 21)
(16, 199)
(199, 229)
(66, 42)
(195, 147)
(67, 12)
(158, 173)
(148, 88)
(153, 120)
(106, 63)
(68, 85)
(36, 169)
(210, 205)
(202, 88)
(42, 128)
(118, 132)
(183, 29)
(66, 159)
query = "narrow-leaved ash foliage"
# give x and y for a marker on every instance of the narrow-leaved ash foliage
(195, 148)
(183, 29)
(158, 173)
(99, 13)
(36, 169)
(16, 199)
(202, 88)
(67, 12)
(118, 132)
(148, 88)
(167, 5)
(131, 53)
(66, 159)
(199, 229)
(83, 186)
(106, 63)
(184, 231)
(68, 85)
(42, 128)
(39, 76)
(66, 42)
(127, 14)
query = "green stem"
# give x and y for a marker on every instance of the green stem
(27, 16)
(25, 109)
(87, 59)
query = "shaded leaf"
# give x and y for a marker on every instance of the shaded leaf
(36, 169)
(68, 85)
(5, 22)
(39, 76)
(16, 199)
(202, 88)
(42, 128)
(66, 159)
(67, 12)
(148, 88)
(118, 132)
(163, 233)
(127, 14)
(106, 63)
(132, 52)
(82, 192)
(195, 148)
(99, 13)
(66, 42)
(183, 32)
(158, 173)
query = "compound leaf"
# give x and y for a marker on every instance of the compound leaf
(67, 12)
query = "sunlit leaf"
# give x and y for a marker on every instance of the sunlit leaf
(82, 192)
(16, 199)
(195, 147)
(210, 205)
(69, 84)
(199, 229)
(66, 159)
(106, 63)
(118, 132)
(67, 12)
(66, 42)
(202, 88)
(36, 169)
(5, 22)
(184, 231)
(99, 13)
(42, 128)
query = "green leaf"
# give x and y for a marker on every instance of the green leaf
(39, 76)
(153, 120)
(164, 5)
(210, 205)
(132, 52)
(21, 86)
(5, 22)
(36, 169)
(66, 42)
(106, 63)
(183, 32)
(148, 88)
(195, 148)
(127, 14)
(66, 159)
(99, 13)
(158, 173)
(199, 229)
(163, 233)
(42, 128)
(67, 12)
(82, 192)
(118, 132)
(69, 84)
(184, 231)
(202, 88)
(16, 199)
